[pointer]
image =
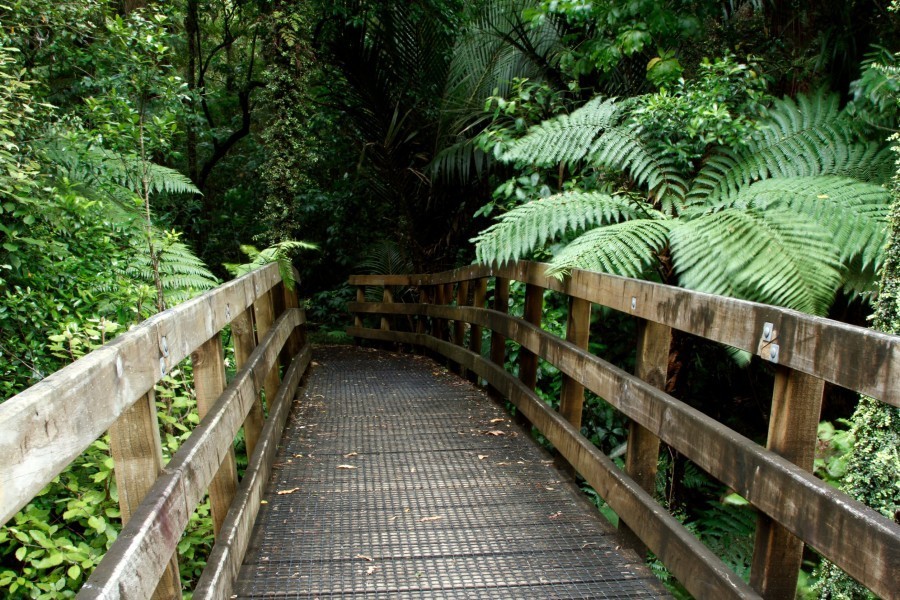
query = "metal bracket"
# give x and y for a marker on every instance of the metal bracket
(768, 348)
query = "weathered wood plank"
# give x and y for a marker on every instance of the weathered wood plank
(826, 349)
(264, 315)
(133, 565)
(804, 505)
(209, 382)
(46, 426)
(136, 449)
(244, 341)
(224, 561)
(642, 454)
(578, 332)
(533, 311)
(793, 425)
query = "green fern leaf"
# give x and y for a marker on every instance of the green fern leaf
(531, 225)
(855, 212)
(628, 249)
(774, 256)
(566, 138)
(626, 148)
(801, 138)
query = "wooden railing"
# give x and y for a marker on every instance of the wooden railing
(43, 429)
(795, 507)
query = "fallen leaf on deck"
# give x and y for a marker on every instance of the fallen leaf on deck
(497, 420)
(352, 454)
(426, 519)
(346, 467)
(482, 456)
(371, 570)
(290, 491)
(495, 432)
(392, 519)
(556, 515)
(364, 557)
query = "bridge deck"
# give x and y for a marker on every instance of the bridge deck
(399, 480)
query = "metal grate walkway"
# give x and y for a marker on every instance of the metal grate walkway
(397, 479)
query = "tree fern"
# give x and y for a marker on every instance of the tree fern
(181, 272)
(531, 225)
(628, 248)
(774, 256)
(627, 148)
(566, 138)
(801, 138)
(278, 253)
(855, 212)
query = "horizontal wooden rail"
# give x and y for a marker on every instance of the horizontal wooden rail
(45, 427)
(826, 349)
(48, 425)
(853, 536)
(137, 557)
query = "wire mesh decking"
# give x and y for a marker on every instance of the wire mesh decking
(397, 479)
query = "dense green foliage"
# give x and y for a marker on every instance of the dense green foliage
(147, 148)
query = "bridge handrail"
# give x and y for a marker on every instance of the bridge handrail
(791, 500)
(47, 426)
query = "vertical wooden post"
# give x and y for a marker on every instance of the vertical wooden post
(439, 326)
(244, 343)
(298, 336)
(528, 361)
(475, 330)
(357, 317)
(459, 325)
(264, 316)
(387, 298)
(209, 383)
(642, 455)
(136, 450)
(424, 298)
(498, 342)
(793, 423)
(578, 331)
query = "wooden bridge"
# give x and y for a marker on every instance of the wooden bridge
(397, 479)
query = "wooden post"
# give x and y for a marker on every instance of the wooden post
(387, 297)
(209, 383)
(498, 342)
(475, 330)
(264, 316)
(578, 331)
(793, 424)
(357, 317)
(298, 336)
(136, 450)
(424, 298)
(459, 325)
(528, 361)
(642, 455)
(244, 342)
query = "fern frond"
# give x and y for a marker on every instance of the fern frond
(626, 149)
(855, 212)
(628, 249)
(278, 253)
(529, 226)
(801, 138)
(774, 256)
(566, 138)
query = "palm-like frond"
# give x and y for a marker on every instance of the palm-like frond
(628, 248)
(855, 212)
(278, 253)
(533, 224)
(181, 272)
(775, 256)
(566, 138)
(801, 138)
(627, 148)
